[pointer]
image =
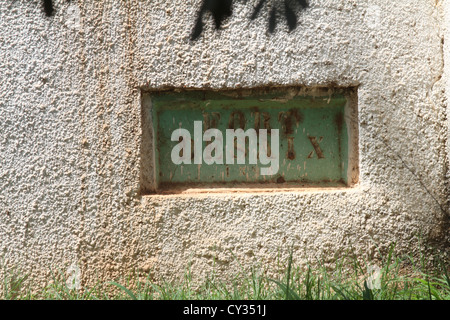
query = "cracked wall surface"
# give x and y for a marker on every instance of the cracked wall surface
(70, 119)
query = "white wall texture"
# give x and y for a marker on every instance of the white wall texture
(70, 133)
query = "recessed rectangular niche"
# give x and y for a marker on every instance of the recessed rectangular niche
(249, 139)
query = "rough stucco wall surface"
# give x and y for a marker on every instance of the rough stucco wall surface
(446, 90)
(70, 108)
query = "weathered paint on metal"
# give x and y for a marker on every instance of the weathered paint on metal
(313, 136)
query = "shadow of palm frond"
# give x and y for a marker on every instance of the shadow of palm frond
(223, 9)
(48, 7)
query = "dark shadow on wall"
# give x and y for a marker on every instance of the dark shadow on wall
(278, 9)
(48, 8)
(222, 9)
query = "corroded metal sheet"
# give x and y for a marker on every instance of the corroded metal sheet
(312, 138)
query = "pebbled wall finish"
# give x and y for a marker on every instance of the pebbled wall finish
(70, 88)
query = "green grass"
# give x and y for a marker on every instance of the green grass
(400, 278)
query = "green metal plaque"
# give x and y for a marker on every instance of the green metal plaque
(312, 138)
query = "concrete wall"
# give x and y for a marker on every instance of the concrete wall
(70, 119)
